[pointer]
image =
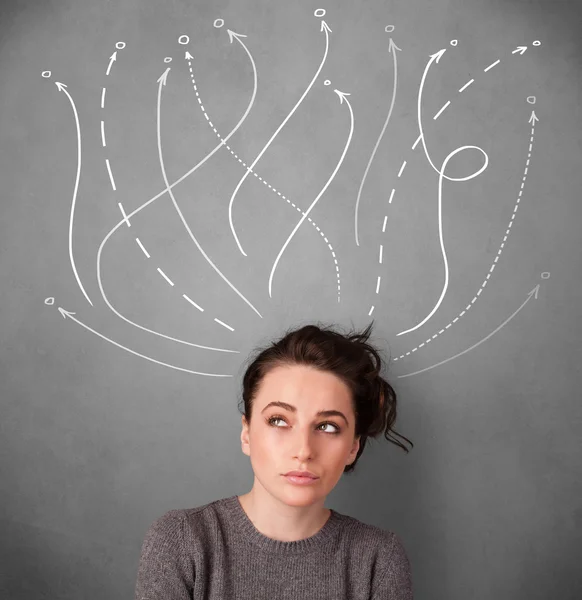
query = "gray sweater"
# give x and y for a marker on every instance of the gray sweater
(214, 552)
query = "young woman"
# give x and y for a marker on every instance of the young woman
(311, 401)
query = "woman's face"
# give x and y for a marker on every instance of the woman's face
(281, 439)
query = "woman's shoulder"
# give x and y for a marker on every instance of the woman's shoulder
(384, 542)
(183, 522)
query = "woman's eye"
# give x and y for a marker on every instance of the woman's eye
(273, 420)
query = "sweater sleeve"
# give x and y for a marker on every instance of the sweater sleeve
(396, 581)
(165, 571)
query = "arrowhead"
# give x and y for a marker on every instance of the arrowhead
(535, 291)
(438, 54)
(533, 117)
(188, 56)
(342, 96)
(324, 25)
(392, 46)
(164, 76)
(66, 313)
(520, 49)
(113, 56)
(233, 34)
(60, 85)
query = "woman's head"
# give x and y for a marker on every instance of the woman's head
(312, 369)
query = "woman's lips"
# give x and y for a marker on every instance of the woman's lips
(300, 480)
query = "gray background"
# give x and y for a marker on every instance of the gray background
(97, 442)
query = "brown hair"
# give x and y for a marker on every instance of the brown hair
(357, 363)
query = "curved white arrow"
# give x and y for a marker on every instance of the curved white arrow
(436, 57)
(532, 120)
(144, 205)
(63, 88)
(531, 294)
(440, 217)
(162, 82)
(342, 97)
(392, 47)
(326, 29)
(66, 313)
(112, 59)
(321, 232)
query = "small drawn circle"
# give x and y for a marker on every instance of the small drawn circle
(546, 275)
(454, 42)
(319, 12)
(537, 43)
(46, 74)
(168, 59)
(531, 99)
(120, 45)
(49, 301)
(218, 23)
(327, 82)
(183, 39)
(389, 28)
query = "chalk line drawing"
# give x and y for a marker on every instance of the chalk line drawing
(63, 88)
(112, 59)
(124, 215)
(142, 247)
(110, 174)
(532, 120)
(466, 85)
(533, 293)
(437, 56)
(183, 295)
(325, 28)
(342, 96)
(69, 314)
(146, 204)
(441, 110)
(162, 82)
(127, 220)
(392, 47)
(491, 65)
(401, 169)
(440, 223)
(189, 58)
(165, 277)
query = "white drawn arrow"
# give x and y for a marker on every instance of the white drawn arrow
(433, 58)
(112, 58)
(326, 29)
(69, 314)
(392, 47)
(320, 231)
(440, 219)
(520, 49)
(532, 120)
(533, 293)
(342, 96)
(162, 81)
(436, 57)
(63, 88)
(145, 205)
